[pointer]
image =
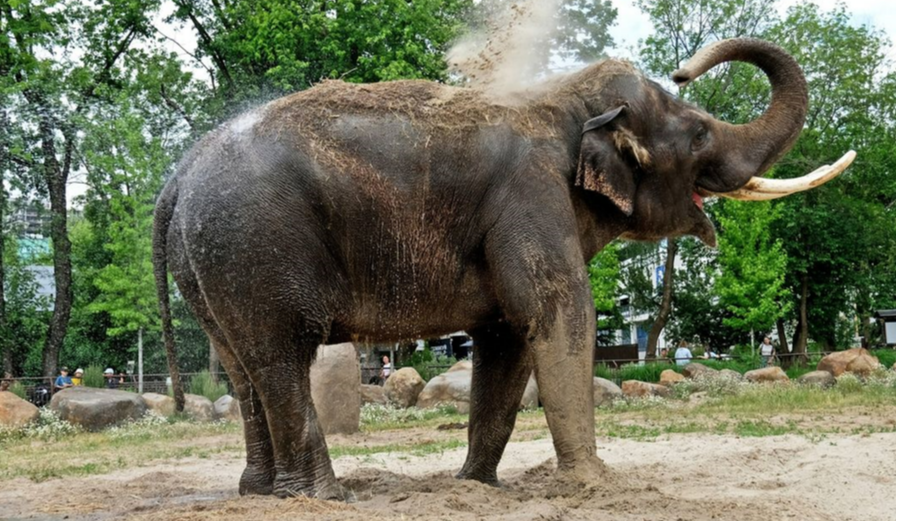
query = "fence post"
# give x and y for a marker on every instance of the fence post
(140, 360)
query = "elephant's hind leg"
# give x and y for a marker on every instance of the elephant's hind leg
(501, 369)
(258, 476)
(281, 375)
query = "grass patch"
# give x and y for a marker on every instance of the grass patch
(416, 449)
(76, 453)
(376, 417)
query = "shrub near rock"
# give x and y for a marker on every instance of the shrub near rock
(403, 387)
(95, 409)
(16, 412)
(857, 361)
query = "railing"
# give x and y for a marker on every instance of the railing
(39, 389)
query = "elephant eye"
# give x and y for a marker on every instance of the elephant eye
(700, 139)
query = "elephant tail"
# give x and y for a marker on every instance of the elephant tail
(164, 211)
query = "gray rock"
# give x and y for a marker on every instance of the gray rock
(530, 399)
(336, 388)
(636, 389)
(766, 374)
(451, 387)
(733, 375)
(227, 408)
(373, 394)
(160, 404)
(95, 409)
(820, 378)
(605, 391)
(403, 387)
(198, 408)
(694, 370)
(16, 412)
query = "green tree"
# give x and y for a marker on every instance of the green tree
(604, 279)
(752, 266)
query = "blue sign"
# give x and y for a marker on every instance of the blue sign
(658, 275)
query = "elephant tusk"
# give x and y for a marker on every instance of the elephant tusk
(760, 189)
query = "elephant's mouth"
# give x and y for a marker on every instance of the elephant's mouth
(698, 199)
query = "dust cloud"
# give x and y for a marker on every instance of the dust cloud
(507, 51)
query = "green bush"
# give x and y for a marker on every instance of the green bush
(885, 356)
(429, 365)
(204, 385)
(93, 377)
(18, 389)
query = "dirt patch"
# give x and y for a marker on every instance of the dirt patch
(693, 477)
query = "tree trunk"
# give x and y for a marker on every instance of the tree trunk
(784, 356)
(56, 175)
(214, 362)
(666, 302)
(5, 346)
(800, 342)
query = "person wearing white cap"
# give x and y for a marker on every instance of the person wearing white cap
(78, 378)
(111, 380)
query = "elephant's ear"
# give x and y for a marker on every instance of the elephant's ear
(601, 165)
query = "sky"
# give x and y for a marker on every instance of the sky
(633, 25)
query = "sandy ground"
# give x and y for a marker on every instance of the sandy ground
(680, 477)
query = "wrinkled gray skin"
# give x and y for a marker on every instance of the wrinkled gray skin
(412, 209)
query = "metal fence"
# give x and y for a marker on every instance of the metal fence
(39, 390)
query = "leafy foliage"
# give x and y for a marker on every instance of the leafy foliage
(204, 385)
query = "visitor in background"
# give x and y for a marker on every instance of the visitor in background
(386, 370)
(111, 379)
(78, 378)
(683, 353)
(767, 351)
(63, 381)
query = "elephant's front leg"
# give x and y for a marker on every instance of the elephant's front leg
(501, 369)
(545, 295)
(562, 352)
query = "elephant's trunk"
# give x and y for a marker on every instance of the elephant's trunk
(757, 145)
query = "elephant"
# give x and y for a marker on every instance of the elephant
(411, 209)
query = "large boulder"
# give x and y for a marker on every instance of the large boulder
(95, 409)
(730, 374)
(637, 389)
(336, 388)
(858, 361)
(403, 387)
(227, 408)
(160, 404)
(530, 399)
(668, 377)
(605, 391)
(820, 378)
(373, 394)
(766, 374)
(696, 370)
(198, 408)
(16, 412)
(451, 387)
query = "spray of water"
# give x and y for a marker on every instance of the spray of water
(506, 54)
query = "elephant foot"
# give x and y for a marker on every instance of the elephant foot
(291, 485)
(256, 481)
(489, 478)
